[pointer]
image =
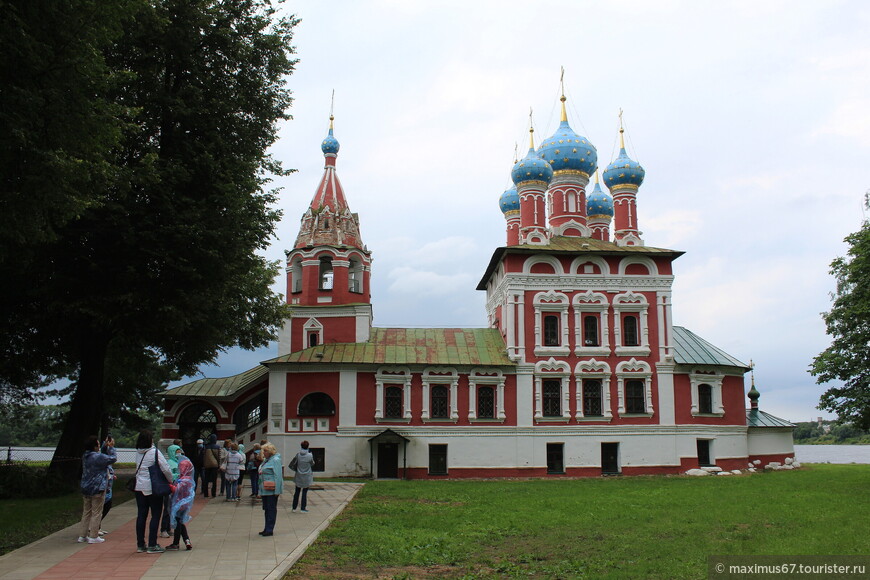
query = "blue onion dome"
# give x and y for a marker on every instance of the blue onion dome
(531, 167)
(624, 170)
(330, 144)
(509, 200)
(599, 203)
(568, 151)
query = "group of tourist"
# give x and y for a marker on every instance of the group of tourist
(262, 462)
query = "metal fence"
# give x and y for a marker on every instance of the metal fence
(45, 454)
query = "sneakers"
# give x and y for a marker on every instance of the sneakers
(103, 532)
(172, 548)
(294, 510)
(82, 540)
(164, 534)
(304, 511)
(97, 540)
(140, 549)
(155, 549)
(188, 545)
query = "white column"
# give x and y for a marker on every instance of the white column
(379, 400)
(566, 397)
(500, 400)
(578, 397)
(539, 413)
(407, 398)
(347, 398)
(472, 400)
(425, 413)
(454, 404)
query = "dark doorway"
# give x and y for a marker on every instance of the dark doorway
(388, 460)
(555, 458)
(197, 421)
(610, 458)
(704, 453)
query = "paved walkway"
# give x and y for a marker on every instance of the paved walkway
(224, 535)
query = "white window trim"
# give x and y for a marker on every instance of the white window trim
(392, 376)
(698, 378)
(552, 369)
(631, 302)
(551, 302)
(590, 302)
(593, 369)
(312, 326)
(634, 369)
(480, 377)
(440, 376)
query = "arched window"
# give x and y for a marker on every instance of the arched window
(326, 273)
(393, 402)
(629, 331)
(590, 331)
(251, 412)
(551, 330)
(316, 405)
(354, 276)
(440, 409)
(705, 398)
(296, 275)
(198, 413)
(485, 403)
(635, 396)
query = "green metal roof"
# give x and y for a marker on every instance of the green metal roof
(572, 245)
(223, 387)
(691, 349)
(411, 346)
(758, 418)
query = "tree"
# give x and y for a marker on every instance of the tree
(848, 322)
(163, 269)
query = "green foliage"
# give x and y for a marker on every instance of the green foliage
(157, 268)
(637, 527)
(848, 323)
(830, 433)
(20, 480)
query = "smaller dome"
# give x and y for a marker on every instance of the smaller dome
(531, 168)
(509, 200)
(330, 144)
(624, 170)
(598, 203)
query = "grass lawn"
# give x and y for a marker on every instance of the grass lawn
(629, 527)
(23, 521)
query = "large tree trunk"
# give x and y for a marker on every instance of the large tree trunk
(86, 407)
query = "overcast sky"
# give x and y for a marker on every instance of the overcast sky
(752, 120)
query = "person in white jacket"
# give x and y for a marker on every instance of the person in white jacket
(146, 456)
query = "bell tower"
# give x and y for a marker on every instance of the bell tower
(328, 269)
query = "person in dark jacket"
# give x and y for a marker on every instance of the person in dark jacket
(95, 480)
(211, 460)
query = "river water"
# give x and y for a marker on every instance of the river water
(832, 453)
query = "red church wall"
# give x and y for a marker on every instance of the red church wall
(732, 402)
(338, 329)
(301, 384)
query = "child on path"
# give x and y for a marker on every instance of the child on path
(182, 503)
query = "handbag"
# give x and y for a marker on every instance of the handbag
(269, 485)
(131, 483)
(159, 484)
(294, 463)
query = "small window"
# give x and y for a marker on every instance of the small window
(326, 273)
(590, 331)
(440, 409)
(319, 454)
(437, 460)
(312, 339)
(592, 398)
(629, 331)
(555, 458)
(485, 403)
(705, 398)
(393, 402)
(552, 398)
(551, 330)
(634, 396)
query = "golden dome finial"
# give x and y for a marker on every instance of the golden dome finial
(331, 108)
(531, 131)
(596, 177)
(562, 98)
(621, 131)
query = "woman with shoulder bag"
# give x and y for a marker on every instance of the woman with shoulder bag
(146, 499)
(303, 465)
(272, 485)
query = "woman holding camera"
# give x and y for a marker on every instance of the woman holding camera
(95, 480)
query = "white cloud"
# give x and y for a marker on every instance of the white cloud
(424, 283)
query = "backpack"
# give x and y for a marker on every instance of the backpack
(210, 458)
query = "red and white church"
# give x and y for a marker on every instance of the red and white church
(581, 372)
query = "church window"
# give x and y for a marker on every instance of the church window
(296, 275)
(440, 398)
(551, 330)
(316, 405)
(590, 330)
(552, 398)
(629, 331)
(354, 276)
(326, 273)
(312, 339)
(251, 412)
(592, 398)
(485, 403)
(393, 402)
(635, 396)
(705, 398)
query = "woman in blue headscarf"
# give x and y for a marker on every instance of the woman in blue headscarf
(182, 502)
